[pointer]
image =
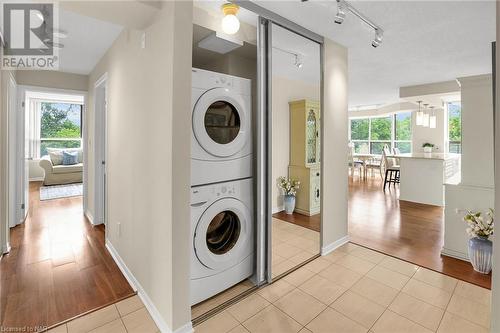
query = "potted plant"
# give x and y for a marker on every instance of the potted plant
(480, 228)
(428, 147)
(289, 188)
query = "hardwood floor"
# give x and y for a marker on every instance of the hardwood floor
(409, 231)
(309, 222)
(58, 266)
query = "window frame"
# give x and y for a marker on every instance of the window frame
(448, 141)
(392, 142)
(41, 139)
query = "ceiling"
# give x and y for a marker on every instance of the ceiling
(286, 42)
(88, 40)
(424, 42)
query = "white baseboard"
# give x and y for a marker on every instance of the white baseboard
(188, 328)
(136, 286)
(37, 179)
(333, 246)
(89, 216)
(455, 254)
(278, 209)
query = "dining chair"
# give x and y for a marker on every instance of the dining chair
(391, 169)
(355, 164)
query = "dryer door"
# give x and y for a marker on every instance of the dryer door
(224, 235)
(221, 123)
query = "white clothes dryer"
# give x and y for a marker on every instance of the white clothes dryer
(221, 139)
(222, 231)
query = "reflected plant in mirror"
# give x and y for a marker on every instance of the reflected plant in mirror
(289, 187)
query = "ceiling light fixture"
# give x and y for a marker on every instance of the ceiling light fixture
(432, 118)
(298, 61)
(420, 115)
(425, 121)
(341, 10)
(379, 35)
(230, 23)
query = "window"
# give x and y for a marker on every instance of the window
(60, 126)
(402, 131)
(454, 127)
(371, 134)
(360, 134)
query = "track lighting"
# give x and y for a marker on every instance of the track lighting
(379, 35)
(341, 10)
(298, 61)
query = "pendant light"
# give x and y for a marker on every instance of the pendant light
(425, 121)
(432, 118)
(420, 114)
(230, 23)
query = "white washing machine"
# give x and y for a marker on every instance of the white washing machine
(222, 231)
(221, 137)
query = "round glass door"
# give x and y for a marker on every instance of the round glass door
(221, 123)
(223, 235)
(223, 232)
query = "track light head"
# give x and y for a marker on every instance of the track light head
(341, 10)
(298, 61)
(379, 35)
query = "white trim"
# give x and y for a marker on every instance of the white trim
(36, 179)
(89, 216)
(278, 209)
(187, 328)
(327, 249)
(136, 286)
(455, 254)
(100, 148)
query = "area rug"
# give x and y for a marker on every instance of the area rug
(60, 191)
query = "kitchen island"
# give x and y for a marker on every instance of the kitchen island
(423, 176)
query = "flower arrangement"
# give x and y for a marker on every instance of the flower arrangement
(288, 186)
(479, 226)
(427, 144)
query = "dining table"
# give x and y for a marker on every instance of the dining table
(366, 157)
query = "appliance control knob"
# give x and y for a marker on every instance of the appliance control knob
(223, 79)
(223, 189)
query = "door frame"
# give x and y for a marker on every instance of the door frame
(100, 149)
(21, 177)
(264, 130)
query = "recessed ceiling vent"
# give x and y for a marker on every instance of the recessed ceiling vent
(220, 43)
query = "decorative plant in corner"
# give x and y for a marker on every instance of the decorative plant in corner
(428, 147)
(289, 188)
(480, 228)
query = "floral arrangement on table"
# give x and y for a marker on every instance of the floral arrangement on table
(289, 187)
(479, 228)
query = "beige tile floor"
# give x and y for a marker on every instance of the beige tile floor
(127, 316)
(291, 246)
(355, 289)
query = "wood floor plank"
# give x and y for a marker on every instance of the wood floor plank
(58, 266)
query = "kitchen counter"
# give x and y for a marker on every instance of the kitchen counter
(423, 176)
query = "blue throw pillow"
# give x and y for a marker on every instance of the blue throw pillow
(70, 158)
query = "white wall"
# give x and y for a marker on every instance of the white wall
(53, 79)
(148, 158)
(285, 90)
(335, 131)
(476, 190)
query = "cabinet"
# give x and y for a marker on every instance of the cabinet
(305, 154)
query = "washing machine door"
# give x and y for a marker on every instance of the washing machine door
(223, 235)
(220, 122)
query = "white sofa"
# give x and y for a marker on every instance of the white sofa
(56, 173)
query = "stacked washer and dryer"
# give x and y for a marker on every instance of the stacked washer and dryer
(222, 225)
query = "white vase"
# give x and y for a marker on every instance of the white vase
(427, 149)
(289, 201)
